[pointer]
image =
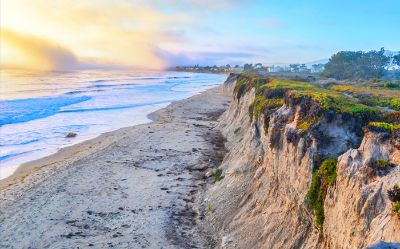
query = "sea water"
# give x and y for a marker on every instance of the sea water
(37, 110)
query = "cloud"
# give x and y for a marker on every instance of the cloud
(96, 33)
(146, 34)
(30, 52)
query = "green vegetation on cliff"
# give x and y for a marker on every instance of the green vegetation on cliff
(382, 164)
(396, 208)
(372, 95)
(218, 175)
(322, 178)
(394, 196)
(316, 101)
(324, 99)
(261, 103)
(315, 105)
(364, 103)
(383, 126)
(246, 81)
(359, 106)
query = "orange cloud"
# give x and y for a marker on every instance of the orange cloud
(30, 52)
(58, 34)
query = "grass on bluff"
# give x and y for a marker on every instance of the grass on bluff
(325, 99)
(386, 96)
(271, 93)
(364, 102)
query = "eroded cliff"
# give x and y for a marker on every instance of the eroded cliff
(282, 187)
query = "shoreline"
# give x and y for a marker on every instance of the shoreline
(81, 137)
(146, 176)
(78, 150)
(86, 108)
(74, 152)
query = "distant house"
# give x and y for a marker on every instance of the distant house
(278, 69)
(269, 69)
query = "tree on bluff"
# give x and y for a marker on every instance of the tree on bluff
(396, 59)
(356, 65)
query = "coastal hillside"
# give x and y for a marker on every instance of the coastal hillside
(307, 166)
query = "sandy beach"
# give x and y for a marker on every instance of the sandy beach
(132, 188)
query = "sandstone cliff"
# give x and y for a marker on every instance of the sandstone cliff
(261, 202)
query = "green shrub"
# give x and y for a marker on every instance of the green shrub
(396, 207)
(390, 85)
(257, 107)
(384, 126)
(315, 198)
(240, 87)
(237, 130)
(305, 126)
(395, 104)
(246, 81)
(328, 171)
(319, 210)
(394, 193)
(394, 196)
(218, 175)
(260, 104)
(382, 164)
(322, 178)
(313, 192)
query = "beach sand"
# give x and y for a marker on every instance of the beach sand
(132, 188)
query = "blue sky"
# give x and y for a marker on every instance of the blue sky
(290, 31)
(70, 34)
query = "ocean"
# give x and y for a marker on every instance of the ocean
(37, 110)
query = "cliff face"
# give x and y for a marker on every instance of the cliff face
(357, 210)
(261, 201)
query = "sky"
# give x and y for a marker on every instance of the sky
(156, 34)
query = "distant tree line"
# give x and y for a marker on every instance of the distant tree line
(396, 59)
(359, 65)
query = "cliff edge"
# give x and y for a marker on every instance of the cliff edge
(306, 167)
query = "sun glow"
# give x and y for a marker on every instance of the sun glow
(68, 34)
(25, 52)
(11, 54)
